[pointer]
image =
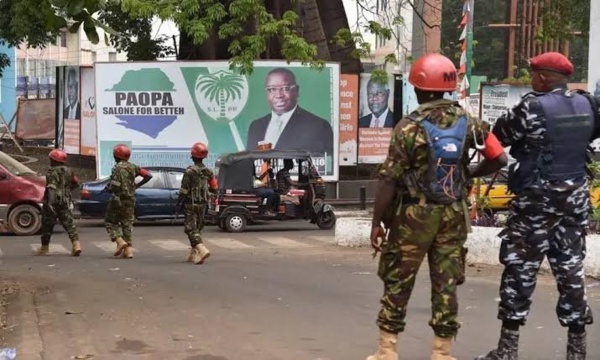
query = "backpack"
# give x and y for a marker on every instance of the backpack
(199, 183)
(444, 181)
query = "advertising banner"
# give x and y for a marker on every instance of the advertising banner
(348, 119)
(496, 99)
(36, 119)
(72, 110)
(593, 54)
(376, 120)
(88, 112)
(161, 108)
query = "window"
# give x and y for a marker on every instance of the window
(175, 178)
(63, 39)
(157, 181)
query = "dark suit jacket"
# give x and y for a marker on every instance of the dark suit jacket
(304, 131)
(365, 121)
(77, 112)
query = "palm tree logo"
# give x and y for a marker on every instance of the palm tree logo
(222, 95)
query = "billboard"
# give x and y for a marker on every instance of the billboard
(88, 112)
(376, 119)
(348, 119)
(36, 119)
(161, 108)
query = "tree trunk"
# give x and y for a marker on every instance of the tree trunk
(318, 22)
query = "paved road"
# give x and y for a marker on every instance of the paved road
(279, 292)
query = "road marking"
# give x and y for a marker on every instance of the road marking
(170, 244)
(327, 239)
(107, 246)
(282, 241)
(228, 243)
(54, 248)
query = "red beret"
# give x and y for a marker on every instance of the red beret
(552, 61)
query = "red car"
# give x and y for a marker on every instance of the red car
(21, 195)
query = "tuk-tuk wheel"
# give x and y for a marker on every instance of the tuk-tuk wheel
(326, 220)
(235, 223)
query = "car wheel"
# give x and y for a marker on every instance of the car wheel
(235, 223)
(326, 220)
(25, 220)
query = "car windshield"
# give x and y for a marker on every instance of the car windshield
(14, 166)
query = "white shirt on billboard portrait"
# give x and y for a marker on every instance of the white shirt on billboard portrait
(276, 126)
(381, 119)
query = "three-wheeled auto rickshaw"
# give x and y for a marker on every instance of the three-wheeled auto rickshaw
(237, 203)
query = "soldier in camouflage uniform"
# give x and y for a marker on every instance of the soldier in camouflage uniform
(548, 131)
(60, 181)
(197, 182)
(427, 217)
(120, 213)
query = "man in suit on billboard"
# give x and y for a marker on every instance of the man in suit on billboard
(288, 126)
(381, 116)
(73, 108)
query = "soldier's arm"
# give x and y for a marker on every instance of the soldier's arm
(51, 184)
(390, 173)
(213, 183)
(494, 157)
(184, 189)
(74, 181)
(145, 174)
(512, 125)
(114, 184)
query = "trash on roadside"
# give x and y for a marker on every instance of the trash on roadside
(8, 353)
(86, 356)
(73, 313)
(114, 269)
(593, 285)
(362, 273)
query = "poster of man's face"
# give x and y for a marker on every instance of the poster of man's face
(378, 98)
(72, 106)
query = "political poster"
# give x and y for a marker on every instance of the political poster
(376, 119)
(161, 108)
(88, 112)
(348, 119)
(594, 53)
(496, 99)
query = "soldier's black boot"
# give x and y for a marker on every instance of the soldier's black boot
(508, 347)
(576, 346)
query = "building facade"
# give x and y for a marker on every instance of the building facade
(32, 73)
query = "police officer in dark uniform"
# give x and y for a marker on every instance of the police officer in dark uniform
(548, 132)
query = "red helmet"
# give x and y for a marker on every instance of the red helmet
(433, 72)
(58, 156)
(121, 152)
(199, 150)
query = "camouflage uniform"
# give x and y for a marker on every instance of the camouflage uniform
(439, 231)
(61, 180)
(120, 213)
(547, 218)
(195, 188)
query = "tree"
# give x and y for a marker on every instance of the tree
(134, 34)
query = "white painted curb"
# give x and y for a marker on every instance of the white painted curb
(483, 243)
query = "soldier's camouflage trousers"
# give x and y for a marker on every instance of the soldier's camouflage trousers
(440, 232)
(65, 218)
(535, 229)
(119, 218)
(194, 222)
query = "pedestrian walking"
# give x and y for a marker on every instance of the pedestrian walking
(548, 131)
(426, 171)
(60, 181)
(120, 212)
(197, 182)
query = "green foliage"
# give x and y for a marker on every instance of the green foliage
(562, 18)
(135, 34)
(198, 18)
(523, 78)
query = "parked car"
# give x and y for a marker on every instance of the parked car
(155, 200)
(499, 198)
(21, 195)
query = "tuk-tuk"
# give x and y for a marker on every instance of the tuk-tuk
(237, 203)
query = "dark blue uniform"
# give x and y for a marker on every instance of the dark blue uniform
(548, 134)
